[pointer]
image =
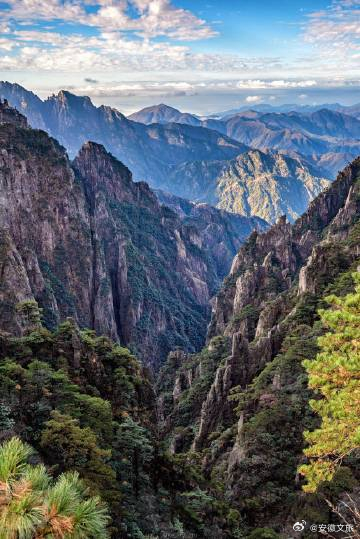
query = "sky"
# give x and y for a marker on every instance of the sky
(202, 56)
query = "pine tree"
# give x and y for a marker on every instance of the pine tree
(32, 505)
(335, 374)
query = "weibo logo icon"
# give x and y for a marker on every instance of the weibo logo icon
(299, 526)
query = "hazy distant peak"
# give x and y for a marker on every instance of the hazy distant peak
(64, 96)
(163, 114)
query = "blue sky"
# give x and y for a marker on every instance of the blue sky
(202, 56)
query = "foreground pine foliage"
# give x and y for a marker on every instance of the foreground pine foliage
(335, 374)
(33, 505)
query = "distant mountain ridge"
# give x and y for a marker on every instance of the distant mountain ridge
(148, 151)
(353, 110)
(189, 160)
(314, 132)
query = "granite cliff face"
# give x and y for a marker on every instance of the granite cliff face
(271, 266)
(43, 215)
(241, 403)
(222, 232)
(255, 183)
(85, 241)
(149, 151)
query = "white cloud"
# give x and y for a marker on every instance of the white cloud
(153, 17)
(6, 44)
(110, 51)
(275, 84)
(335, 33)
(109, 37)
(4, 27)
(142, 89)
(253, 99)
(29, 10)
(94, 88)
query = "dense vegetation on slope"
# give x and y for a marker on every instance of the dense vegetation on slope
(336, 375)
(246, 428)
(86, 405)
(69, 394)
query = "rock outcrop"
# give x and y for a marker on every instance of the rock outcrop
(10, 115)
(85, 241)
(254, 399)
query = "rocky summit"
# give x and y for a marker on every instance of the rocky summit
(255, 183)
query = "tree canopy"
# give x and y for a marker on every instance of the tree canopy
(33, 505)
(335, 375)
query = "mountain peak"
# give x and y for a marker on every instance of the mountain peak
(159, 107)
(9, 115)
(66, 97)
(163, 114)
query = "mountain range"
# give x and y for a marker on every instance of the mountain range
(191, 157)
(352, 110)
(327, 137)
(147, 150)
(86, 241)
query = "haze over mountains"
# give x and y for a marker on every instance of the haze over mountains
(352, 110)
(329, 137)
(253, 162)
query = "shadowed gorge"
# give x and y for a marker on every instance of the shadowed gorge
(85, 241)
